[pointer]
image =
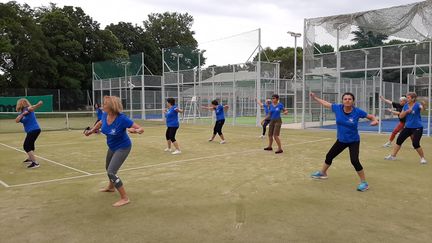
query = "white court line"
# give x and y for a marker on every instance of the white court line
(157, 165)
(4, 184)
(48, 181)
(57, 163)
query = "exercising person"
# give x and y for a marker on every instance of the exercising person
(99, 112)
(220, 119)
(172, 122)
(413, 127)
(274, 115)
(347, 117)
(266, 107)
(114, 125)
(398, 109)
(28, 118)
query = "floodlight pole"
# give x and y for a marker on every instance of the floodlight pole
(400, 70)
(295, 35)
(143, 114)
(303, 121)
(429, 89)
(258, 83)
(93, 87)
(380, 91)
(338, 63)
(178, 56)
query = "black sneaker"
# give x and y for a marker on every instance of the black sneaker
(268, 148)
(27, 161)
(279, 151)
(33, 165)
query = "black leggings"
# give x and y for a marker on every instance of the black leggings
(170, 133)
(218, 127)
(338, 147)
(29, 142)
(414, 133)
(266, 122)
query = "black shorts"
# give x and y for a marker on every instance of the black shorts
(170, 133)
(29, 142)
(218, 127)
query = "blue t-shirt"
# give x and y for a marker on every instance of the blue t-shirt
(266, 109)
(171, 117)
(99, 113)
(219, 110)
(275, 111)
(29, 121)
(413, 119)
(347, 124)
(117, 137)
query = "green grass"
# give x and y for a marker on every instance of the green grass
(213, 193)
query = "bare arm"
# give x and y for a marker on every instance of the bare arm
(386, 100)
(34, 107)
(20, 116)
(423, 105)
(179, 110)
(394, 112)
(324, 103)
(260, 103)
(135, 128)
(96, 127)
(373, 119)
(207, 108)
(226, 107)
(285, 111)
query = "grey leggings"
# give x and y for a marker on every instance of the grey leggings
(114, 161)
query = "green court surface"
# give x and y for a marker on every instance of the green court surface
(233, 192)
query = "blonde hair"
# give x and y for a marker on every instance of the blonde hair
(113, 104)
(21, 104)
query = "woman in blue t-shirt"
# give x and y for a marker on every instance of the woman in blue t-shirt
(274, 115)
(347, 117)
(172, 122)
(220, 119)
(114, 125)
(413, 127)
(28, 118)
(99, 112)
(266, 107)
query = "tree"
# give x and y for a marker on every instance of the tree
(172, 32)
(318, 49)
(135, 40)
(365, 38)
(285, 56)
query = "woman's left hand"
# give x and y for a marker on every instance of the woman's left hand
(374, 123)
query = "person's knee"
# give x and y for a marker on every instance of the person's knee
(357, 165)
(115, 180)
(173, 140)
(27, 148)
(416, 144)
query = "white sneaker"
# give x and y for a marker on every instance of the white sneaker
(176, 152)
(389, 157)
(387, 145)
(423, 161)
(167, 150)
(222, 142)
(262, 136)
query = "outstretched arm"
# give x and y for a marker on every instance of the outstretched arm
(207, 108)
(96, 127)
(179, 110)
(394, 112)
(373, 119)
(34, 107)
(135, 128)
(324, 103)
(385, 100)
(226, 107)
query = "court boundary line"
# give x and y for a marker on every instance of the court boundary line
(156, 165)
(4, 184)
(51, 161)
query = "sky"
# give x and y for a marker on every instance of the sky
(216, 19)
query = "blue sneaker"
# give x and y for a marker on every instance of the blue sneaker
(318, 175)
(363, 186)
